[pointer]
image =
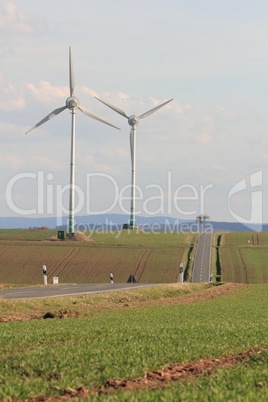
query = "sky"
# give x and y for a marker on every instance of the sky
(206, 152)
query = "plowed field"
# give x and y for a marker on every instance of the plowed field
(243, 257)
(21, 263)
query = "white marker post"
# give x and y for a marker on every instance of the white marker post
(45, 274)
(181, 272)
(55, 280)
(112, 278)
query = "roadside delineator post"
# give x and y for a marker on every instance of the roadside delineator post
(45, 274)
(181, 272)
(112, 278)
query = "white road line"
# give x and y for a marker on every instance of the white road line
(94, 291)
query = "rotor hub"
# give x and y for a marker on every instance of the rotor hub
(133, 120)
(72, 102)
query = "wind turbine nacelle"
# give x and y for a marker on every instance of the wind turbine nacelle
(133, 120)
(72, 102)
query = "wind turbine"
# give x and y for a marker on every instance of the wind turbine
(133, 121)
(72, 103)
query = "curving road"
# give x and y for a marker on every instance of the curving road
(202, 262)
(41, 292)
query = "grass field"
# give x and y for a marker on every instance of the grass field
(26, 234)
(137, 237)
(43, 357)
(144, 238)
(243, 257)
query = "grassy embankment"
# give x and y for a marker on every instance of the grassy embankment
(151, 329)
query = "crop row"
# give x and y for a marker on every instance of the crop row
(245, 239)
(21, 263)
(244, 265)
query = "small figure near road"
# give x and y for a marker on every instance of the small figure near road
(112, 278)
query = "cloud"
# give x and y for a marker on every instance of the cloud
(123, 96)
(12, 98)
(30, 162)
(88, 91)
(204, 138)
(219, 167)
(45, 92)
(224, 112)
(12, 161)
(14, 22)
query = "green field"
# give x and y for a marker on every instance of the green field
(43, 357)
(243, 257)
(27, 234)
(139, 237)
(151, 258)
(126, 334)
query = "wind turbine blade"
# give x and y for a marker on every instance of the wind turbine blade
(116, 109)
(131, 139)
(71, 73)
(48, 117)
(153, 110)
(94, 116)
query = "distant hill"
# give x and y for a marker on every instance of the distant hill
(115, 222)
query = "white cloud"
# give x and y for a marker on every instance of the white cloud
(12, 98)
(45, 92)
(13, 161)
(88, 91)
(224, 112)
(219, 167)
(123, 96)
(204, 138)
(15, 22)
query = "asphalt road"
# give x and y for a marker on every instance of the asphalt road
(202, 262)
(68, 290)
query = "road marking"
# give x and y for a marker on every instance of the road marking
(19, 295)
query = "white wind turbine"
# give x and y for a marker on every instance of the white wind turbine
(72, 103)
(133, 121)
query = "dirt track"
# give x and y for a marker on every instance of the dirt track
(157, 379)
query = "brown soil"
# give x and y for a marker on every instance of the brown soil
(158, 378)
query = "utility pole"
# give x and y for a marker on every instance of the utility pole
(201, 219)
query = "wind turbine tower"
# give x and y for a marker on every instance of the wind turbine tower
(72, 103)
(133, 121)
